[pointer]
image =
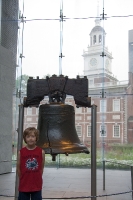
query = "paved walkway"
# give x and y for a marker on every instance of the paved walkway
(63, 182)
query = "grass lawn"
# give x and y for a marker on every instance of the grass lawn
(121, 154)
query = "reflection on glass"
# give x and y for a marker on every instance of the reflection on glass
(96, 44)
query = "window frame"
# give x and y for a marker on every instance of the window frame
(91, 82)
(94, 39)
(102, 103)
(37, 111)
(105, 128)
(78, 110)
(29, 109)
(88, 126)
(29, 119)
(77, 126)
(91, 40)
(114, 131)
(114, 106)
(100, 39)
(88, 110)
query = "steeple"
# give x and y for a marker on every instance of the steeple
(97, 34)
(93, 62)
(97, 20)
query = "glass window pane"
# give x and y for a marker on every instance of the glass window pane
(100, 49)
(91, 82)
(29, 111)
(79, 131)
(103, 131)
(103, 105)
(89, 131)
(41, 45)
(78, 110)
(88, 110)
(116, 132)
(116, 104)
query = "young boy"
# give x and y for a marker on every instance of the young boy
(30, 164)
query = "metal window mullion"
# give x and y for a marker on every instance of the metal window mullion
(0, 18)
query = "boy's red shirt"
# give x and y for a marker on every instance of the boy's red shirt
(30, 170)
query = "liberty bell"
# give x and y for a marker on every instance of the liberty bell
(56, 121)
(56, 126)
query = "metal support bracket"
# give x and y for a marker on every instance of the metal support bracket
(20, 142)
(93, 152)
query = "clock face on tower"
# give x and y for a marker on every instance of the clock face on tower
(93, 62)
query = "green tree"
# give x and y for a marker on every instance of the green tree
(44, 76)
(21, 83)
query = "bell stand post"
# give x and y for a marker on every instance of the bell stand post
(20, 142)
(93, 152)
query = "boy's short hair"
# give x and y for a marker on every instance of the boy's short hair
(29, 130)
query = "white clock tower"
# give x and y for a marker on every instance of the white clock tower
(94, 62)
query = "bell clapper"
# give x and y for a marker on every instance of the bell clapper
(53, 157)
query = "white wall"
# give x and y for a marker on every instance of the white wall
(6, 94)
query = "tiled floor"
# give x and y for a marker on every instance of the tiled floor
(63, 182)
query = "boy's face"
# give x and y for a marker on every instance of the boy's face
(30, 139)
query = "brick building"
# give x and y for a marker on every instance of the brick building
(113, 97)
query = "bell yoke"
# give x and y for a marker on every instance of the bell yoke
(56, 121)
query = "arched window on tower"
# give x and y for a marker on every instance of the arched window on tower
(100, 39)
(94, 39)
(91, 41)
(103, 40)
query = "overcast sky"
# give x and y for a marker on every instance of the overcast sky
(41, 39)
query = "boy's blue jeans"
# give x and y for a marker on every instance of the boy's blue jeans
(30, 195)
